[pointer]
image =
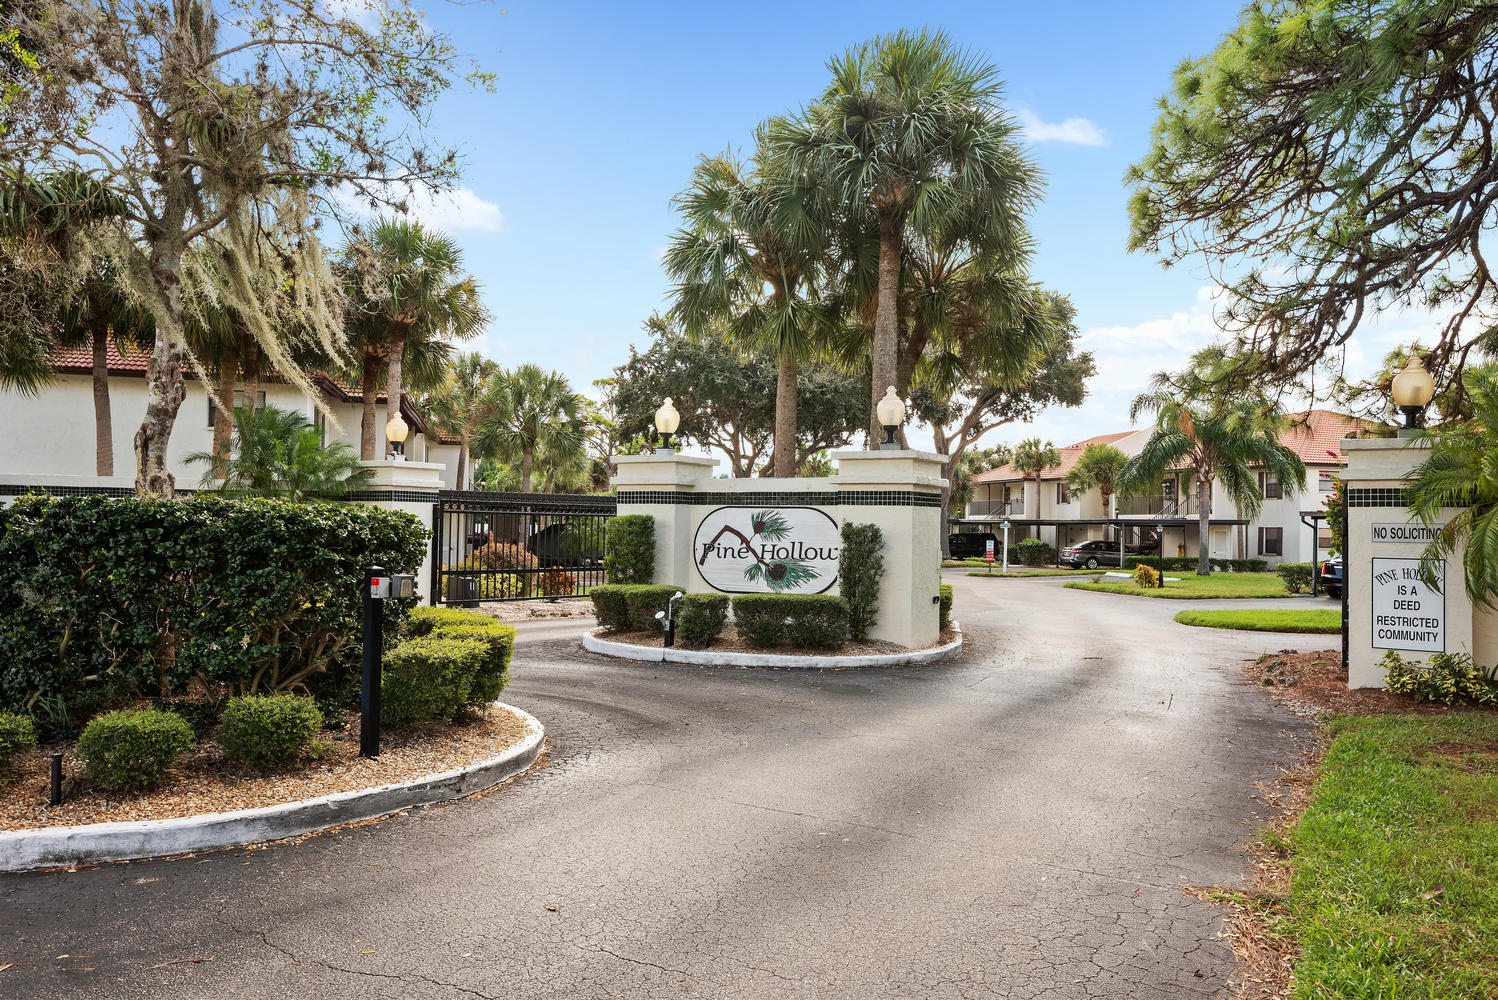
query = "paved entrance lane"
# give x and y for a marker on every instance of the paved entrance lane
(1017, 824)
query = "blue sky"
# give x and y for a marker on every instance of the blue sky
(602, 109)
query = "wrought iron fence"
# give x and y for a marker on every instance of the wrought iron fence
(489, 546)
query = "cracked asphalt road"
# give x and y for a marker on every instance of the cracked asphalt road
(1016, 824)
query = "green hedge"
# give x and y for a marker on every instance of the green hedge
(1187, 564)
(610, 606)
(860, 567)
(626, 607)
(1034, 552)
(17, 736)
(944, 611)
(430, 679)
(702, 618)
(490, 676)
(268, 730)
(110, 598)
(1297, 576)
(811, 621)
(128, 751)
(629, 549)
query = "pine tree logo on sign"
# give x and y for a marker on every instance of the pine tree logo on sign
(779, 550)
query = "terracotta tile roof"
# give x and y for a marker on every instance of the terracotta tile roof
(1070, 455)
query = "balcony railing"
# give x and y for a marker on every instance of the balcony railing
(996, 508)
(1163, 505)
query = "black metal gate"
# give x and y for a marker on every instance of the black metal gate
(490, 546)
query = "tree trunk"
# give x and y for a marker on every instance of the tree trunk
(527, 459)
(369, 380)
(398, 334)
(166, 386)
(1203, 523)
(1106, 492)
(223, 415)
(785, 416)
(462, 460)
(886, 322)
(103, 419)
(251, 390)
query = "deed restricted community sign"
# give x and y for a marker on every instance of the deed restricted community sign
(1406, 613)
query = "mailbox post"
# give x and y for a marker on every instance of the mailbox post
(378, 586)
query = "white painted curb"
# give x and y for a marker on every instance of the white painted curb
(154, 838)
(708, 658)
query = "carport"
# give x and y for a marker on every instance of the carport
(1120, 525)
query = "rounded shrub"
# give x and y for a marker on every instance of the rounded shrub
(1034, 552)
(810, 621)
(645, 601)
(430, 679)
(269, 730)
(702, 618)
(127, 751)
(1297, 576)
(1146, 577)
(17, 735)
(629, 549)
(944, 607)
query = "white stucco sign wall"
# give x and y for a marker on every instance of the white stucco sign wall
(767, 550)
(1407, 614)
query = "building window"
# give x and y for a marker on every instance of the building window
(1061, 495)
(1271, 541)
(1273, 490)
(1323, 539)
(238, 402)
(1326, 482)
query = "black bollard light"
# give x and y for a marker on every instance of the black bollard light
(56, 797)
(375, 585)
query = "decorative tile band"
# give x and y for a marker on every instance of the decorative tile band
(1376, 496)
(22, 489)
(836, 498)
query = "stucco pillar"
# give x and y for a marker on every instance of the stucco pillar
(1032, 500)
(411, 487)
(661, 484)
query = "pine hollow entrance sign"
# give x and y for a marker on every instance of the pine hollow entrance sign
(777, 550)
(1407, 614)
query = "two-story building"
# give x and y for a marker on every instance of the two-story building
(1285, 529)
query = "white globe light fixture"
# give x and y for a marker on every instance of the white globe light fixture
(395, 432)
(891, 414)
(666, 421)
(1412, 389)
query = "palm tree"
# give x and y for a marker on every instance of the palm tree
(745, 264)
(1202, 422)
(461, 404)
(279, 453)
(1033, 458)
(406, 285)
(909, 129)
(530, 410)
(1100, 467)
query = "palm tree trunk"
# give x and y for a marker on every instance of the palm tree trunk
(785, 416)
(1203, 524)
(103, 420)
(251, 392)
(166, 384)
(886, 321)
(462, 460)
(369, 380)
(527, 458)
(223, 415)
(1106, 492)
(393, 376)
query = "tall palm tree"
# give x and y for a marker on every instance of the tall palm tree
(406, 284)
(1222, 434)
(1033, 458)
(531, 410)
(1100, 467)
(461, 404)
(909, 128)
(746, 264)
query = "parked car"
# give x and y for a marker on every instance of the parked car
(972, 544)
(1331, 576)
(1091, 554)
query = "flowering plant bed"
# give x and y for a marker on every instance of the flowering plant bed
(203, 781)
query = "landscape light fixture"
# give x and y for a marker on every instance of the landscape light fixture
(666, 421)
(395, 432)
(891, 414)
(1412, 390)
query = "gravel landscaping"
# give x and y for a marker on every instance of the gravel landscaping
(202, 781)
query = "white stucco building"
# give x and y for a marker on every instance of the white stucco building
(50, 438)
(1282, 532)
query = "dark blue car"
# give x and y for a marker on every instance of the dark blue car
(1331, 576)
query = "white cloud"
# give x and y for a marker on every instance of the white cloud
(455, 209)
(1075, 131)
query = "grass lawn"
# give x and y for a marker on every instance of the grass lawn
(1191, 587)
(1269, 620)
(1394, 891)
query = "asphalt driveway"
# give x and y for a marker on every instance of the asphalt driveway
(1017, 824)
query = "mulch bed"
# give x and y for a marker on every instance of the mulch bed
(728, 641)
(1310, 684)
(204, 782)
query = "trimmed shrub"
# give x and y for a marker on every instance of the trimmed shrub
(268, 730)
(1447, 678)
(1297, 576)
(1034, 552)
(556, 582)
(424, 621)
(610, 606)
(812, 621)
(112, 598)
(860, 567)
(1187, 564)
(702, 618)
(944, 614)
(503, 555)
(130, 750)
(491, 680)
(430, 679)
(629, 549)
(644, 601)
(1146, 576)
(17, 735)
